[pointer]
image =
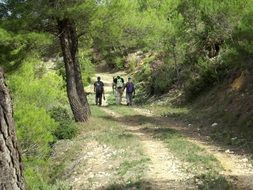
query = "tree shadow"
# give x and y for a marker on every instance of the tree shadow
(136, 120)
(151, 185)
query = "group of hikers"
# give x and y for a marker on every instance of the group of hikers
(118, 88)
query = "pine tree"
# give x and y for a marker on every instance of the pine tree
(58, 18)
(11, 171)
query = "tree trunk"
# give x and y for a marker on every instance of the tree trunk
(80, 89)
(11, 171)
(75, 90)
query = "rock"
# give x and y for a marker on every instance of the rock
(189, 125)
(214, 124)
(245, 160)
(229, 151)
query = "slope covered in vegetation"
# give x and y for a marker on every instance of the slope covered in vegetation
(194, 55)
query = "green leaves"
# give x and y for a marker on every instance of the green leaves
(5, 37)
(34, 130)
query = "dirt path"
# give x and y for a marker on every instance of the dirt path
(236, 167)
(165, 170)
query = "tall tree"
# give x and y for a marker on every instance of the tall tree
(69, 45)
(58, 18)
(11, 176)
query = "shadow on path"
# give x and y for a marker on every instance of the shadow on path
(150, 185)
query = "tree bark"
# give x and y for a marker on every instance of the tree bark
(75, 89)
(11, 170)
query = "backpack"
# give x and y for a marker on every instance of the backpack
(99, 87)
(119, 83)
(130, 87)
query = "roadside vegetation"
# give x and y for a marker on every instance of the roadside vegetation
(42, 117)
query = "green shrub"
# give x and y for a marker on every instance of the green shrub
(132, 65)
(67, 128)
(35, 89)
(35, 129)
(114, 59)
(163, 80)
(88, 69)
(117, 61)
(42, 91)
(214, 181)
(144, 75)
(36, 174)
(204, 75)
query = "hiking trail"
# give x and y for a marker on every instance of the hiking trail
(96, 165)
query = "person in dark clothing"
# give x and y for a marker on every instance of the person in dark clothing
(99, 90)
(130, 92)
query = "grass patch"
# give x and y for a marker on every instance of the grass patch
(123, 110)
(167, 111)
(203, 165)
(109, 132)
(190, 152)
(111, 100)
(212, 181)
(127, 166)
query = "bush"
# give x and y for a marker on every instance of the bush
(66, 129)
(163, 79)
(36, 174)
(87, 66)
(205, 75)
(35, 90)
(35, 129)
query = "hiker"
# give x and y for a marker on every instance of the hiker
(99, 90)
(114, 81)
(119, 82)
(130, 91)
